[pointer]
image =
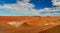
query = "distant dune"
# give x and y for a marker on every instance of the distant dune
(19, 18)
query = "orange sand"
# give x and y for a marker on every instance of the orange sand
(34, 24)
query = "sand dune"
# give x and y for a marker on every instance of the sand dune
(31, 24)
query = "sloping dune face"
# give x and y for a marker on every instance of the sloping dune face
(27, 24)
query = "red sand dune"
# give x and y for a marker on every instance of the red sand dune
(19, 18)
(34, 24)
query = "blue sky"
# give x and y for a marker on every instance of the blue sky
(37, 5)
(41, 3)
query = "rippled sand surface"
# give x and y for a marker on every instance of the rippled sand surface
(28, 24)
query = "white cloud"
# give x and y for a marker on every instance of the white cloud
(25, 7)
(56, 2)
(21, 6)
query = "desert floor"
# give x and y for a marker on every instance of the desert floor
(29, 24)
